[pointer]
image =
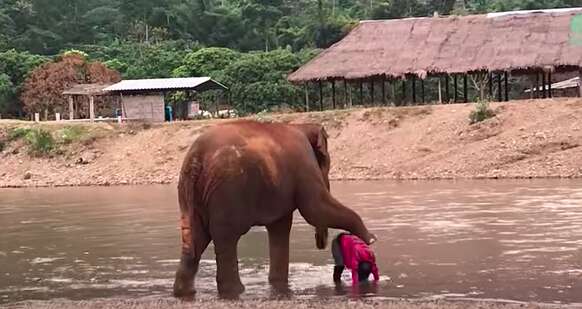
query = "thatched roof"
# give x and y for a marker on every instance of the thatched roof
(495, 42)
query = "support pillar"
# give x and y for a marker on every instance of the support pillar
(440, 91)
(92, 108)
(403, 92)
(306, 87)
(506, 75)
(537, 89)
(580, 83)
(447, 92)
(456, 88)
(320, 95)
(490, 85)
(345, 93)
(361, 92)
(422, 89)
(550, 85)
(413, 89)
(333, 94)
(544, 93)
(372, 99)
(499, 88)
(384, 90)
(71, 108)
(466, 88)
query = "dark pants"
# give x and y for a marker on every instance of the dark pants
(336, 252)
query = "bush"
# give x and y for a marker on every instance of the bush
(40, 142)
(72, 134)
(482, 112)
(17, 133)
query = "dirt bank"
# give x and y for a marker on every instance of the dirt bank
(291, 304)
(526, 139)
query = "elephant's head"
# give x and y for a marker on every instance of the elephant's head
(317, 137)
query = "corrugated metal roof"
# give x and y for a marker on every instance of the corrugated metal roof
(192, 83)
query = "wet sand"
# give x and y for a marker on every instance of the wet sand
(285, 304)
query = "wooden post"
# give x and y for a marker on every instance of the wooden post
(422, 90)
(384, 90)
(71, 108)
(499, 88)
(320, 95)
(506, 74)
(345, 93)
(440, 91)
(490, 85)
(92, 108)
(466, 88)
(544, 88)
(456, 88)
(306, 87)
(580, 83)
(361, 92)
(414, 89)
(550, 85)
(333, 94)
(36, 117)
(447, 92)
(372, 101)
(404, 98)
(537, 90)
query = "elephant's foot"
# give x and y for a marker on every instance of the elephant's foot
(230, 290)
(184, 282)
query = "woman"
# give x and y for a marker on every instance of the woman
(351, 252)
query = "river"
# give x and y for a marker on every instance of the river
(503, 240)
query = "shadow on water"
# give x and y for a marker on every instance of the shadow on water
(515, 240)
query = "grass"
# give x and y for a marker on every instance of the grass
(72, 134)
(40, 142)
(481, 113)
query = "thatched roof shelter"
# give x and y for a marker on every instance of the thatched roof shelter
(513, 41)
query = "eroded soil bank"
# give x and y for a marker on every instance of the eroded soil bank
(526, 139)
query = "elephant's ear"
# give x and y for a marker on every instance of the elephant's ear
(321, 145)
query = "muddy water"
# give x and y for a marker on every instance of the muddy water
(512, 240)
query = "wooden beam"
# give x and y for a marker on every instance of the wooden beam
(71, 107)
(499, 88)
(333, 94)
(372, 101)
(506, 74)
(440, 91)
(490, 85)
(447, 92)
(306, 87)
(550, 85)
(422, 89)
(537, 90)
(345, 93)
(456, 88)
(321, 95)
(413, 89)
(404, 99)
(384, 90)
(361, 92)
(92, 108)
(544, 94)
(466, 88)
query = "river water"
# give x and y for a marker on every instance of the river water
(502, 240)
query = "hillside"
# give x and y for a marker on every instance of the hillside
(526, 139)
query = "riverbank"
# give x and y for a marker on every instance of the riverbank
(526, 139)
(291, 304)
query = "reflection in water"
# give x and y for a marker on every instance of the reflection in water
(518, 240)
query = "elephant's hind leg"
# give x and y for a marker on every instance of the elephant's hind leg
(195, 239)
(227, 274)
(279, 251)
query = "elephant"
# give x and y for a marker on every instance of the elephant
(245, 173)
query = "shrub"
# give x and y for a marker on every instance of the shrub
(482, 112)
(72, 134)
(40, 142)
(17, 133)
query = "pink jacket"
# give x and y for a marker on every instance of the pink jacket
(354, 251)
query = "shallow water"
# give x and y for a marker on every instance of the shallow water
(511, 240)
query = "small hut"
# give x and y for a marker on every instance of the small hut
(89, 91)
(405, 52)
(143, 99)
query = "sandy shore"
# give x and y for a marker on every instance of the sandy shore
(526, 139)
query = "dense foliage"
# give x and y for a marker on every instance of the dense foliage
(163, 38)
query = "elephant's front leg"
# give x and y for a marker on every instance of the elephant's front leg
(227, 275)
(279, 250)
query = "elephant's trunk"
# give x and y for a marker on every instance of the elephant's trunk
(321, 235)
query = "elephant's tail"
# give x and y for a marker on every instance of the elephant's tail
(189, 197)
